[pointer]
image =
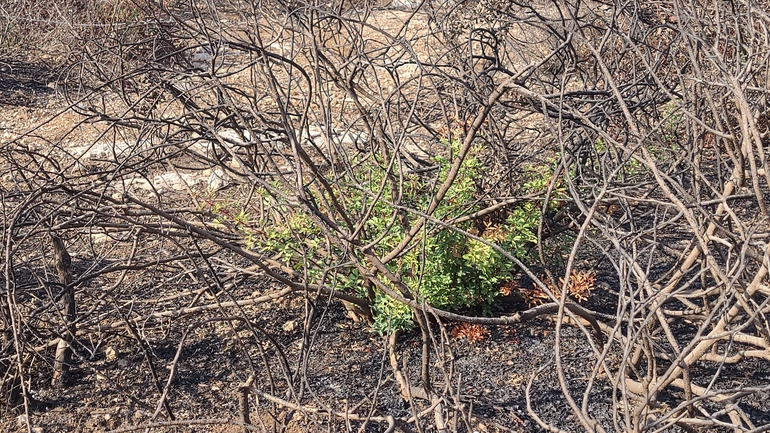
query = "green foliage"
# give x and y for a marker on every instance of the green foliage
(441, 266)
(672, 119)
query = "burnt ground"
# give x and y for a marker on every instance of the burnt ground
(112, 386)
(24, 84)
(344, 364)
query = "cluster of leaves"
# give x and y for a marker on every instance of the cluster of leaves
(473, 332)
(580, 285)
(441, 266)
(448, 269)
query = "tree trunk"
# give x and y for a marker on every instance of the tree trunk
(63, 265)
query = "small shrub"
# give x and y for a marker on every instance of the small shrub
(442, 266)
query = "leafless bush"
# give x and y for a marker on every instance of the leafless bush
(52, 30)
(336, 146)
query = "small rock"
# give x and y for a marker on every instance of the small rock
(290, 326)
(98, 238)
(110, 354)
(218, 179)
(139, 415)
(172, 181)
(405, 4)
(231, 136)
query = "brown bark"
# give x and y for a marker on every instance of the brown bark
(63, 264)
